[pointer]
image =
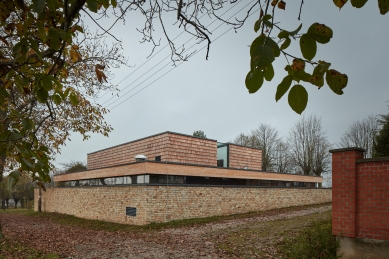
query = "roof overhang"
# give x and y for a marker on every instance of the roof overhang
(166, 168)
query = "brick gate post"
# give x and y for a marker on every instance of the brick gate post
(344, 182)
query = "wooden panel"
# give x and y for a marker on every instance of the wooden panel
(241, 157)
(170, 146)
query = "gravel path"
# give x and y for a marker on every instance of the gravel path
(184, 242)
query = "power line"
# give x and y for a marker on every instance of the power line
(171, 61)
(171, 69)
(146, 61)
(166, 58)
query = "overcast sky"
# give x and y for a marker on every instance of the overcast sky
(210, 95)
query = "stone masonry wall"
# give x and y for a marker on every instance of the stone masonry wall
(241, 157)
(171, 147)
(166, 203)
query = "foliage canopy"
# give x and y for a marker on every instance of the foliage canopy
(199, 134)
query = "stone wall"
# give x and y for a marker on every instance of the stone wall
(166, 203)
(170, 146)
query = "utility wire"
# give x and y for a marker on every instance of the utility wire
(165, 57)
(171, 61)
(145, 62)
(172, 69)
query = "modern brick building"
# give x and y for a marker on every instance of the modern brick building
(175, 158)
(182, 177)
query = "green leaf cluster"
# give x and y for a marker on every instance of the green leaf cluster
(383, 5)
(264, 50)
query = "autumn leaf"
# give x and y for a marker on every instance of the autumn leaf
(281, 5)
(10, 27)
(99, 73)
(298, 64)
(75, 54)
(4, 41)
(340, 3)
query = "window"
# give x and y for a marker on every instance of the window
(158, 158)
(131, 211)
(220, 162)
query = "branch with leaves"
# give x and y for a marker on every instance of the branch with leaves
(266, 48)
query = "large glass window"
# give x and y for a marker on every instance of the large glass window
(190, 180)
(222, 155)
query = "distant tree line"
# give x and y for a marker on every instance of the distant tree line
(22, 193)
(370, 133)
(304, 151)
(306, 148)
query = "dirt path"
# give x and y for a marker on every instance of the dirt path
(245, 237)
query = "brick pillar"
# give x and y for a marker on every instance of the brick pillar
(344, 173)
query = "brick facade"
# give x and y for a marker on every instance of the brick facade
(171, 147)
(166, 203)
(360, 189)
(175, 147)
(241, 157)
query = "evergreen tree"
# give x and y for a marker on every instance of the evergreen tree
(199, 134)
(381, 143)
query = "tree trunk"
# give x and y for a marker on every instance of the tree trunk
(3, 157)
(2, 163)
(40, 200)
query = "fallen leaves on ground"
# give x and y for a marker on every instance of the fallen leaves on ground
(223, 239)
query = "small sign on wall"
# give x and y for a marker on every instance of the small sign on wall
(131, 211)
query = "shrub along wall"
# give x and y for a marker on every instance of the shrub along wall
(166, 203)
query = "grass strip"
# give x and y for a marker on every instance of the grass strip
(10, 249)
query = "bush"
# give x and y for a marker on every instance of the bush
(315, 241)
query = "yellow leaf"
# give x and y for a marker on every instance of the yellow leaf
(75, 55)
(65, 73)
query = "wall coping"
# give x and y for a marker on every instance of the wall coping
(375, 159)
(229, 143)
(347, 149)
(187, 164)
(189, 185)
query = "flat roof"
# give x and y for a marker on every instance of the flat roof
(181, 169)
